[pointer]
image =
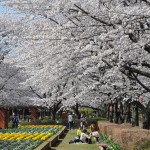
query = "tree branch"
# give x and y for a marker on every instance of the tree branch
(147, 48)
(146, 1)
(129, 76)
(71, 20)
(107, 63)
(93, 17)
(140, 82)
(56, 106)
(44, 15)
(35, 93)
(143, 73)
(145, 64)
(53, 20)
(88, 37)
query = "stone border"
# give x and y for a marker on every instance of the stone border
(46, 145)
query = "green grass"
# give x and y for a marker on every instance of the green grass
(63, 144)
(20, 123)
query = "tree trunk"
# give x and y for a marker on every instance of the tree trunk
(121, 112)
(116, 113)
(108, 115)
(111, 112)
(40, 114)
(54, 110)
(53, 114)
(34, 114)
(43, 112)
(136, 116)
(3, 118)
(133, 115)
(128, 120)
(146, 120)
(23, 114)
(49, 113)
(76, 109)
(145, 114)
(104, 111)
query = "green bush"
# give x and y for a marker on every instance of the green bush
(24, 123)
(86, 111)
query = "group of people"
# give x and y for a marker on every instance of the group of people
(71, 118)
(83, 136)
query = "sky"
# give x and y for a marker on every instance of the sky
(9, 10)
(12, 13)
(1, 9)
(4, 9)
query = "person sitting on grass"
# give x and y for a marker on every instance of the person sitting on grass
(79, 132)
(93, 127)
(84, 137)
(96, 135)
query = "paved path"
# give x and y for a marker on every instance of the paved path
(63, 144)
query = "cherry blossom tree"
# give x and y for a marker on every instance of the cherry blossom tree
(90, 49)
(12, 93)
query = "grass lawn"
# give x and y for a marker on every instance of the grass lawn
(63, 144)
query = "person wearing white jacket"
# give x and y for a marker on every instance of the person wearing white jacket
(84, 137)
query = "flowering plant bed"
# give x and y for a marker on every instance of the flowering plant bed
(26, 137)
(111, 144)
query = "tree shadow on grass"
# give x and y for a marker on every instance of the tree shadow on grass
(55, 145)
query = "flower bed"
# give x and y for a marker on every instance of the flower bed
(111, 144)
(26, 137)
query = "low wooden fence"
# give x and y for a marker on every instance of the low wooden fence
(46, 145)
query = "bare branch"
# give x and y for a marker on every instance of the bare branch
(147, 48)
(143, 73)
(35, 92)
(71, 20)
(140, 82)
(53, 20)
(93, 17)
(146, 1)
(107, 63)
(145, 64)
